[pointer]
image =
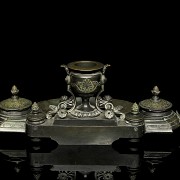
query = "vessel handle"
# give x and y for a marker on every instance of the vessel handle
(66, 68)
(105, 67)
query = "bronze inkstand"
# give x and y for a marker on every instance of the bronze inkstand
(87, 128)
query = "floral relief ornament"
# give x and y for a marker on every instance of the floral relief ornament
(86, 86)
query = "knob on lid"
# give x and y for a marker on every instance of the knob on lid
(155, 103)
(15, 103)
(134, 117)
(36, 116)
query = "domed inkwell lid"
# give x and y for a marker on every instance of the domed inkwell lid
(15, 103)
(155, 104)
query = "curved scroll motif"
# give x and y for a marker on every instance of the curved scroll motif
(110, 110)
(62, 108)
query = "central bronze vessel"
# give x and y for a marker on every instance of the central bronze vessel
(85, 81)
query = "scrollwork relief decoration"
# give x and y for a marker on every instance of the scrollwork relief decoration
(62, 108)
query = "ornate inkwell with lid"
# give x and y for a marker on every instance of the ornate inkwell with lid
(13, 112)
(158, 114)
